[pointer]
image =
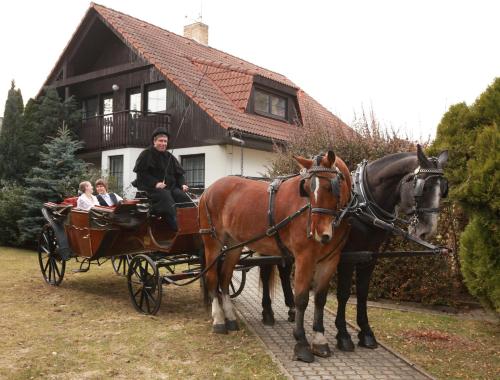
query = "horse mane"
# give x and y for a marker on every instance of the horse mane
(385, 165)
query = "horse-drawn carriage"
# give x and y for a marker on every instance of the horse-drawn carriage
(140, 246)
(306, 221)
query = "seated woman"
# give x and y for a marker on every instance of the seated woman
(87, 200)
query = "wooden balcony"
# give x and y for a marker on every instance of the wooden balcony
(120, 130)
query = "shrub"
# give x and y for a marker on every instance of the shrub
(11, 198)
(471, 134)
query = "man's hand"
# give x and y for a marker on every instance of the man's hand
(160, 185)
(185, 188)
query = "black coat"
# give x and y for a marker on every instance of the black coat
(153, 166)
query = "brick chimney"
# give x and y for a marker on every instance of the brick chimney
(198, 32)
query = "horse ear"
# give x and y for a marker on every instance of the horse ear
(303, 162)
(422, 159)
(443, 159)
(330, 156)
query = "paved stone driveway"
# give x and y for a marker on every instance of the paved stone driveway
(361, 364)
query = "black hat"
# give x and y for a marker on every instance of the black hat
(160, 131)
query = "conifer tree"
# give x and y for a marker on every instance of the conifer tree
(11, 140)
(472, 136)
(57, 176)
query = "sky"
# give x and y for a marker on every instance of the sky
(408, 61)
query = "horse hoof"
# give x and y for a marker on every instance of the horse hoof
(268, 319)
(302, 352)
(291, 315)
(219, 329)
(367, 341)
(232, 325)
(345, 343)
(321, 350)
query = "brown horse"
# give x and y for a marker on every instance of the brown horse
(234, 211)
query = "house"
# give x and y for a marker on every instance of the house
(223, 113)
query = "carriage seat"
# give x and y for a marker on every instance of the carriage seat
(70, 201)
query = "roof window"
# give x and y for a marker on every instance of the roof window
(269, 104)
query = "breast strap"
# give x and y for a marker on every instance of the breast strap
(273, 189)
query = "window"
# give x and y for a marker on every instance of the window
(157, 97)
(270, 104)
(134, 101)
(116, 170)
(107, 119)
(195, 170)
(90, 108)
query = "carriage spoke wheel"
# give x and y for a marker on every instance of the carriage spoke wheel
(120, 264)
(144, 284)
(237, 284)
(51, 264)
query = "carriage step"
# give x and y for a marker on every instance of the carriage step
(81, 270)
(181, 276)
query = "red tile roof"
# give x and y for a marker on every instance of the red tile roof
(218, 82)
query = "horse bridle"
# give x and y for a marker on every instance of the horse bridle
(418, 189)
(366, 201)
(335, 184)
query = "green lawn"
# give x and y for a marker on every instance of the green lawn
(87, 329)
(446, 346)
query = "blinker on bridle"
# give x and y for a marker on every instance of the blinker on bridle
(418, 190)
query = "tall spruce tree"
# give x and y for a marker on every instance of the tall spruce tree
(57, 176)
(11, 139)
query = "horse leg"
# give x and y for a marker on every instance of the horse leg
(230, 261)
(286, 284)
(344, 278)
(212, 249)
(324, 273)
(363, 276)
(266, 275)
(303, 277)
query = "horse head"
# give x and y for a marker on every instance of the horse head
(322, 183)
(421, 192)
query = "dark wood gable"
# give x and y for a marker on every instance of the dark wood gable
(99, 69)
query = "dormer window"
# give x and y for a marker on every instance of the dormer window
(269, 104)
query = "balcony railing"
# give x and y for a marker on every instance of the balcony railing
(120, 129)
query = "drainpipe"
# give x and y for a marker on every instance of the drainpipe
(241, 142)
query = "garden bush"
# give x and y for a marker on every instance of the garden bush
(11, 198)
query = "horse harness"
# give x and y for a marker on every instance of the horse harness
(273, 230)
(366, 208)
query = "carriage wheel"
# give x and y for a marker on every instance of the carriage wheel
(51, 264)
(144, 284)
(120, 264)
(237, 284)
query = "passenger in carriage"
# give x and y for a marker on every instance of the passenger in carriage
(87, 200)
(105, 198)
(161, 176)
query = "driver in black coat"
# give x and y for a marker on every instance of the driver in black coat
(161, 176)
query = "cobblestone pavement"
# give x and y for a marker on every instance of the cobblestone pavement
(363, 363)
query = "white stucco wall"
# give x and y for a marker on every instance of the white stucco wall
(223, 160)
(129, 157)
(220, 161)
